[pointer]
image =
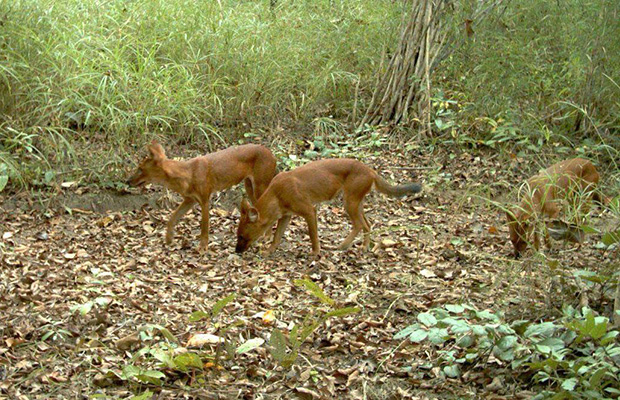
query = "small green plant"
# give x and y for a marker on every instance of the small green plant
(286, 353)
(575, 357)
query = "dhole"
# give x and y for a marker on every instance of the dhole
(297, 192)
(196, 179)
(544, 196)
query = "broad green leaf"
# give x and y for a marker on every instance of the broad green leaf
(471, 356)
(278, 345)
(143, 396)
(188, 360)
(611, 238)
(595, 379)
(341, 312)
(484, 314)
(427, 319)
(217, 307)
(504, 355)
(465, 341)
(166, 333)
(507, 342)
(418, 335)
(151, 376)
(292, 337)
(540, 330)
(250, 345)
(406, 332)
(163, 356)
(452, 371)
(455, 308)
(478, 330)
(569, 384)
(3, 181)
(198, 315)
(315, 290)
(83, 308)
(550, 344)
(438, 335)
(609, 337)
(599, 329)
(129, 371)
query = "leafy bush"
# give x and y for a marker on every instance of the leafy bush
(576, 357)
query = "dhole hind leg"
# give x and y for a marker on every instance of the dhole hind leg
(358, 220)
(354, 193)
(366, 229)
(204, 227)
(277, 237)
(181, 210)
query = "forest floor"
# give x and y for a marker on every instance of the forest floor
(77, 278)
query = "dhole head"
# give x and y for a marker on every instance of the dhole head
(519, 231)
(250, 227)
(149, 169)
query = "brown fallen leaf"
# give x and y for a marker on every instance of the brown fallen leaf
(127, 341)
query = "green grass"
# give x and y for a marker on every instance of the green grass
(78, 75)
(85, 83)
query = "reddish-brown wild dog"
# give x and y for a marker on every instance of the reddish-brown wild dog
(544, 195)
(297, 192)
(196, 179)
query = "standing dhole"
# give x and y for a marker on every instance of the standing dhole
(544, 195)
(297, 192)
(196, 179)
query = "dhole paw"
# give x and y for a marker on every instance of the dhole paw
(203, 248)
(168, 240)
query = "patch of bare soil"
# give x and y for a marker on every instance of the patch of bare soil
(73, 284)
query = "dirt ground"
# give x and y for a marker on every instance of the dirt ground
(447, 245)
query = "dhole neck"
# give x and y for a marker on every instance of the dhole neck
(268, 208)
(175, 174)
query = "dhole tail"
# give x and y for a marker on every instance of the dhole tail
(396, 191)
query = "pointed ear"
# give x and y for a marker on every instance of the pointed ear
(157, 152)
(253, 214)
(244, 206)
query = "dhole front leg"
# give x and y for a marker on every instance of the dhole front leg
(277, 237)
(181, 210)
(310, 218)
(204, 227)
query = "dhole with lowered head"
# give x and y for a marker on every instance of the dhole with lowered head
(297, 192)
(196, 179)
(544, 195)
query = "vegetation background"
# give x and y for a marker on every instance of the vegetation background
(85, 83)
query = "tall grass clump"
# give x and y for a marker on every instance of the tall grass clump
(78, 76)
(544, 71)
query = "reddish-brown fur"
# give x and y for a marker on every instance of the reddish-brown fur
(297, 192)
(544, 195)
(197, 178)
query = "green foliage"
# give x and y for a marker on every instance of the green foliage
(286, 354)
(535, 73)
(575, 357)
(112, 72)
